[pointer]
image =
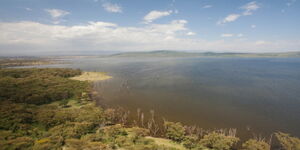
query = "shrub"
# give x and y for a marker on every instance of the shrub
(137, 133)
(253, 144)
(13, 115)
(93, 137)
(72, 129)
(49, 143)
(24, 143)
(287, 142)
(114, 131)
(190, 142)
(76, 144)
(218, 141)
(39, 86)
(140, 132)
(174, 131)
(45, 116)
(51, 115)
(90, 113)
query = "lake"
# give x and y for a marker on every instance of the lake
(254, 95)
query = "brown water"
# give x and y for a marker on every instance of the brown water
(254, 95)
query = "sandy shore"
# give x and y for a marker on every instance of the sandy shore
(92, 76)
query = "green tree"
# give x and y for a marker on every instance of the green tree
(174, 131)
(218, 141)
(253, 144)
(287, 142)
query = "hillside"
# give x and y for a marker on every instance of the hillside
(165, 53)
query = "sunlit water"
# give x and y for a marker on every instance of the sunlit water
(254, 95)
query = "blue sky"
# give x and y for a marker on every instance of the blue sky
(36, 26)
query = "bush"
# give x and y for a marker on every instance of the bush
(51, 115)
(218, 141)
(287, 142)
(136, 134)
(190, 142)
(114, 131)
(39, 86)
(13, 115)
(72, 129)
(174, 131)
(253, 144)
(76, 144)
(140, 132)
(49, 143)
(24, 143)
(90, 113)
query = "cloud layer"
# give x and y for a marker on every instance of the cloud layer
(248, 10)
(31, 37)
(56, 15)
(153, 15)
(113, 8)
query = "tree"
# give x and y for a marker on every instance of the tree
(253, 144)
(174, 131)
(218, 141)
(287, 142)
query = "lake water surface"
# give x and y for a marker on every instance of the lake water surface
(254, 95)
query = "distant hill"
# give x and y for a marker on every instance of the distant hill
(166, 53)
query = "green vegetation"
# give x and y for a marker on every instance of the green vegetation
(39, 86)
(253, 144)
(174, 131)
(287, 142)
(41, 109)
(218, 141)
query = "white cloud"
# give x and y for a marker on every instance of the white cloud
(191, 33)
(113, 8)
(168, 29)
(207, 6)
(153, 15)
(249, 8)
(28, 9)
(229, 18)
(260, 42)
(290, 3)
(33, 37)
(240, 35)
(253, 26)
(57, 13)
(227, 35)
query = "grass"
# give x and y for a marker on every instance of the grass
(92, 76)
(167, 143)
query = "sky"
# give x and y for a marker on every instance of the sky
(55, 26)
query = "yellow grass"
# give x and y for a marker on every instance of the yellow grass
(92, 76)
(167, 143)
